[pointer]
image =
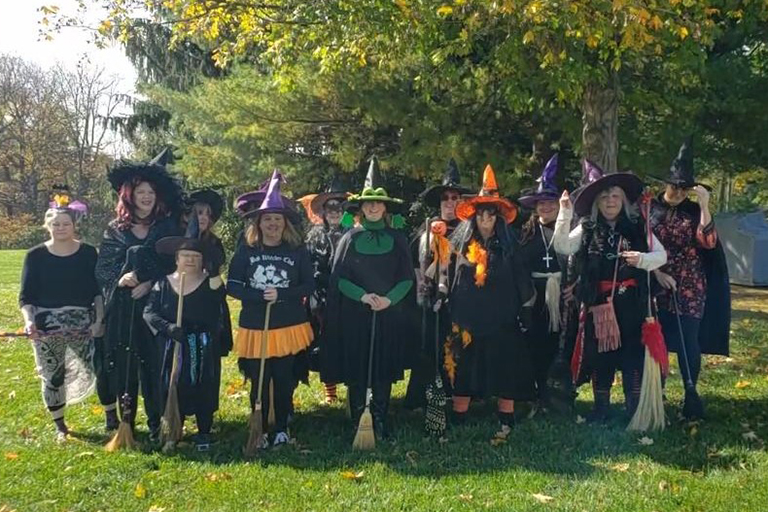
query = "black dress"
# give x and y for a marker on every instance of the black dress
(200, 374)
(215, 256)
(125, 355)
(485, 353)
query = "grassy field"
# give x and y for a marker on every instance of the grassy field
(547, 464)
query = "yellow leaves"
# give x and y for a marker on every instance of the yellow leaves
(218, 477)
(11, 456)
(743, 384)
(140, 491)
(106, 27)
(97, 410)
(621, 468)
(655, 23)
(542, 498)
(618, 4)
(682, 32)
(592, 41)
(444, 10)
(156, 508)
(49, 9)
(528, 37)
(466, 497)
(355, 476)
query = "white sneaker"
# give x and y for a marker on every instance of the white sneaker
(281, 438)
(263, 443)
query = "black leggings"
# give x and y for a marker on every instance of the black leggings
(672, 337)
(279, 371)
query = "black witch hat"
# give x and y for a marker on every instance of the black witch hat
(189, 242)
(451, 180)
(681, 171)
(210, 197)
(335, 190)
(155, 172)
(374, 187)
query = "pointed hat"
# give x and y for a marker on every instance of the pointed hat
(489, 194)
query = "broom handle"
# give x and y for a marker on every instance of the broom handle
(370, 360)
(688, 380)
(179, 313)
(263, 354)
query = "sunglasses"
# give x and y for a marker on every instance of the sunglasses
(449, 197)
(332, 206)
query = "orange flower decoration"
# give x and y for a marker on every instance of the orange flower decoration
(479, 257)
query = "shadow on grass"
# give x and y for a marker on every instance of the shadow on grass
(551, 445)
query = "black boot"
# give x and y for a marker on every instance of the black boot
(601, 411)
(356, 397)
(380, 408)
(693, 407)
(111, 421)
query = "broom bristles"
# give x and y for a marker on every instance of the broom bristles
(123, 439)
(649, 415)
(171, 428)
(364, 438)
(255, 432)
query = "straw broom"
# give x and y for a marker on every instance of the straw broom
(256, 422)
(364, 438)
(171, 425)
(649, 414)
(123, 438)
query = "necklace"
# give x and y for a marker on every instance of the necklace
(547, 245)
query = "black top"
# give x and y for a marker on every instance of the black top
(200, 313)
(51, 281)
(537, 255)
(252, 270)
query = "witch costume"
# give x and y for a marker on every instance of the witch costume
(322, 241)
(485, 352)
(288, 269)
(696, 261)
(440, 267)
(546, 268)
(215, 257)
(199, 337)
(125, 356)
(61, 291)
(612, 293)
(371, 258)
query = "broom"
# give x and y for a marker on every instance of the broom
(123, 438)
(256, 422)
(434, 413)
(364, 438)
(692, 406)
(649, 414)
(171, 425)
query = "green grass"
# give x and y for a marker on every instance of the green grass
(711, 467)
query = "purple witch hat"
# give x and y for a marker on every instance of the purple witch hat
(274, 202)
(547, 189)
(595, 181)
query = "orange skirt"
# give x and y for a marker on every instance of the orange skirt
(284, 341)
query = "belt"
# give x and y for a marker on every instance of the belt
(607, 286)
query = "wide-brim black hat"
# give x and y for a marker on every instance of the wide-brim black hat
(166, 186)
(173, 244)
(211, 198)
(627, 181)
(318, 202)
(451, 181)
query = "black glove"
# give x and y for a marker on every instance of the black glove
(526, 318)
(177, 333)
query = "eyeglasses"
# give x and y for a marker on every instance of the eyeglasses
(449, 197)
(332, 206)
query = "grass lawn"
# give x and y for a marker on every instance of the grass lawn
(547, 464)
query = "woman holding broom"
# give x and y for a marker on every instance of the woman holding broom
(149, 202)
(271, 273)
(371, 307)
(612, 260)
(485, 352)
(195, 343)
(63, 310)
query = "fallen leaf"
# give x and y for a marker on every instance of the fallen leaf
(84, 454)
(465, 497)
(140, 491)
(411, 457)
(97, 410)
(155, 508)
(24, 434)
(542, 498)
(12, 395)
(352, 475)
(743, 384)
(580, 419)
(620, 467)
(750, 436)
(305, 451)
(694, 431)
(498, 441)
(11, 456)
(645, 441)
(218, 477)
(663, 485)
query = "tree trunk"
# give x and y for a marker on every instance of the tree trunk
(600, 124)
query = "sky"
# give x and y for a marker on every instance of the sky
(19, 26)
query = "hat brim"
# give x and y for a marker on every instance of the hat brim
(680, 183)
(433, 195)
(173, 244)
(289, 214)
(211, 198)
(393, 204)
(318, 202)
(467, 208)
(166, 186)
(628, 182)
(530, 200)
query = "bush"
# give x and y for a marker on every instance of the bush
(21, 231)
